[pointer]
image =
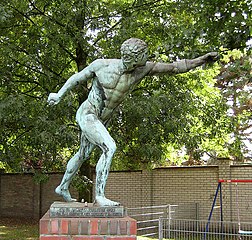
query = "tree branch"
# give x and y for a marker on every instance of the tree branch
(32, 82)
(106, 32)
(24, 15)
(136, 8)
(23, 133)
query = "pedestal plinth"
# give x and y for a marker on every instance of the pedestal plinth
(74, 221)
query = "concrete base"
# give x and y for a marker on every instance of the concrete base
(54, 228)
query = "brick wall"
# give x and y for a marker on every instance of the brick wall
(21, 197)
(242, 191)
(174, 185)
(15, 193)
(186, 185)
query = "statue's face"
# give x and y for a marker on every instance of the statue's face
(134, 60)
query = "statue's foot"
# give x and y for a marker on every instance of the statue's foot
(102, 201)
(65, 194)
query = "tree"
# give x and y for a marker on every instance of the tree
(235, 83)
(43, 43)
(174, 112)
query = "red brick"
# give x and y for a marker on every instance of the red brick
(74, 229)
(94, 226)
(87, 238)
(133, 228)
(84, 227)
(123, 227)
(64, 226)
(120, 238)
(113, 227)
(50, 237)
(54, 226)
(88, 229)
(104, 227)
(44, 226)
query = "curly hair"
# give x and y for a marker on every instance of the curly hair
(133, 47)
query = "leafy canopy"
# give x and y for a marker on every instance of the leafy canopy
(44, 43)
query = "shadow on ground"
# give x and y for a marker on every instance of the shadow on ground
(18, 229)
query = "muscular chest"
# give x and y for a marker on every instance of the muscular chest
(113, 81)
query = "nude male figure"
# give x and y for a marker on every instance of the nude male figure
(113, 80)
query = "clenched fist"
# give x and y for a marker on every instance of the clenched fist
(53, 98)
(211, 57)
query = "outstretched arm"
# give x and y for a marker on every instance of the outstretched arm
(183, 65)
(84, 75)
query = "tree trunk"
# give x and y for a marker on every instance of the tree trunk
(82, 90)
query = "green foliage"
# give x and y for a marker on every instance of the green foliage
(32, 133)
(40, 177)
(170, 113)
(81, 183)
(43, 43)
(235, 84)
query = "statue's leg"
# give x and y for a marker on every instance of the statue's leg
(97, 134)
(72, 168)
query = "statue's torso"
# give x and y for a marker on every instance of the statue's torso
(110, 87)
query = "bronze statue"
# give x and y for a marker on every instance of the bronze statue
(113, 80)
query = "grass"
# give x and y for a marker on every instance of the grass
(18, 229)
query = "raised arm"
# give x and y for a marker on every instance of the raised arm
(84, 75)
(184, 65)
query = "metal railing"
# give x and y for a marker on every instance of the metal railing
(182, 229)
(148, 218)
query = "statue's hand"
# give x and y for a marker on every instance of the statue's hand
(211, 57)
(53, 98)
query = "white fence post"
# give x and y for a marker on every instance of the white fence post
(160, 228)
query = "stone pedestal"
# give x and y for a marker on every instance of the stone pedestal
(75, 221)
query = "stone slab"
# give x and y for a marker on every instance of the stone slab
(82, 210)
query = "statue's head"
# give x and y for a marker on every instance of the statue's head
(134, 53)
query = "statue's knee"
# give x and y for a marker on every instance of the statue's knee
(89, 118)
(112, 148)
